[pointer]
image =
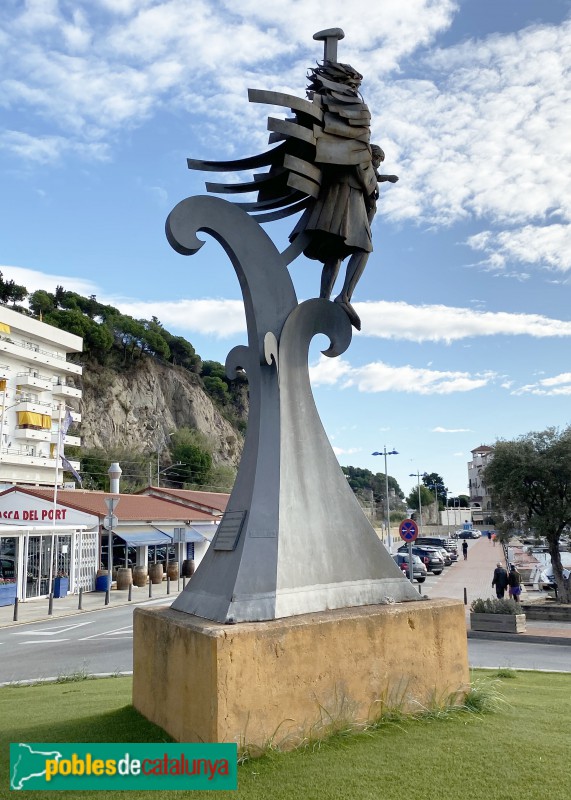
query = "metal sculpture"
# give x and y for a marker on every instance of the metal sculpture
(293, 539)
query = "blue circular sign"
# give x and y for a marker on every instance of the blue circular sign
(408, 530)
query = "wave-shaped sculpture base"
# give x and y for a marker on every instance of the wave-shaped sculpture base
(293, 539)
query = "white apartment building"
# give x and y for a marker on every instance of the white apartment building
(37, 386)
(480, 499)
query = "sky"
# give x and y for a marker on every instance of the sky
(465, 301)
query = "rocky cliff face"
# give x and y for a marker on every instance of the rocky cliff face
(139, 407)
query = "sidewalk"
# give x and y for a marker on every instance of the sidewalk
(475, 575)
(37, 610)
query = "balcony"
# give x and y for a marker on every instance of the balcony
(62, 390)
(33, 380)
(35, 406)
(68, 439)
(30, 468)
(26, 351)
(76, 416)
(32, 434)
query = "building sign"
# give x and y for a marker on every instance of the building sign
(19, 508)
(35, 514)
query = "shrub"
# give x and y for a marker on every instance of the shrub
(491, 605)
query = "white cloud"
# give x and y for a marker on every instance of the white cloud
(381, 377)
(556, 386)
(33, 280)
(483, 134)
(48, 149)
(451, 430)
(398, 320)
(91, 73)
(548, 246)
(39, 15)
(328, 371)
(218, 318)
(345, 451)
(445, 323)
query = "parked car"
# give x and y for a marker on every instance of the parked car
(445, 555)
(429, 555)
(439, 541)
(419, 570)
(471, 534)
(547, 580)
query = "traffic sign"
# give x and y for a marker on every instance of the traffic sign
(111, 503)
(110, 521)
(408, 530)
(179, 536)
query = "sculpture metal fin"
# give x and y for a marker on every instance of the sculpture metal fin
(287, 100)
(252, 162)
(252, 186)
(284, 212)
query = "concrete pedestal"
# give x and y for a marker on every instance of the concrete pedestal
(280, 680)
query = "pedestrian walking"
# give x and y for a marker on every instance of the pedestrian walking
(489, 536)
(500, 580)
(514, 583)
(465, 549)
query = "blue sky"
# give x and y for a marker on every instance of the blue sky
(465, 302)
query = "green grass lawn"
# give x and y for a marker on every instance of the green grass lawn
(521, 751)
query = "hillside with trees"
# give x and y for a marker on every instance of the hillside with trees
(142, 388)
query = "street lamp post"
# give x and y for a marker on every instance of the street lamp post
(111, 521)
(417, 476)
(436, 487)
(164, 470)
(160, 448)
(445, 490)
(456, 499)
(386, 453)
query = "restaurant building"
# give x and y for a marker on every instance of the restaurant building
(43, 535)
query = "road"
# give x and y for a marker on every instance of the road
(102, 641)
(519, 655)
(98, 642)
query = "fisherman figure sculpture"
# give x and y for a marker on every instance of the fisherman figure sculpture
(324, 165)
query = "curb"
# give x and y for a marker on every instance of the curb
(74, 612)
(520, 638)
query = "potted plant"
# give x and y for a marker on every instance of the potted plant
(7, 591)
(492, 614)
(61, 584)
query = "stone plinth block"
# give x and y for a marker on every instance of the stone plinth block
(277, 681)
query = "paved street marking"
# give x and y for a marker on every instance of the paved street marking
(42, 641)
(125, 629)
(53, 631)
